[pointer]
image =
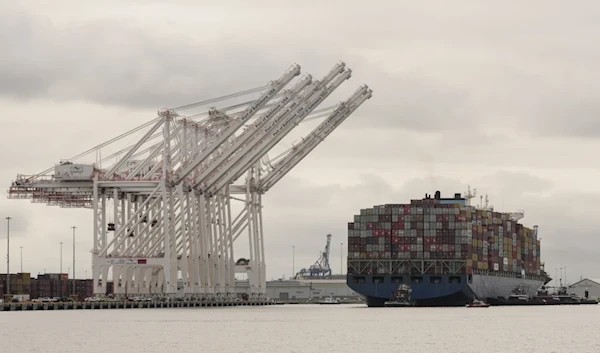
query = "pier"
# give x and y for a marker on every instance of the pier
(126, 305)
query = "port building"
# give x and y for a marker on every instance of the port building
(586, 288)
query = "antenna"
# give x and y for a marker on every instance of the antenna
(469, 195)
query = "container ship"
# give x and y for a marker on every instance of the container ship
(446, 250)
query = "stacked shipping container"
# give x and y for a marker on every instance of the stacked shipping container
(429, 230)
(47, 285)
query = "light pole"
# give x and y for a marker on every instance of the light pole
(21, 259)
(560, 269)
(293, 261)
(60, 272)
(61, 262)
(8, 256)
(342, 258)
(74, 259)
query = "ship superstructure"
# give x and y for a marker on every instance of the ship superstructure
(448, 251)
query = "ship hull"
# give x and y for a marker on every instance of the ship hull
(443, 292)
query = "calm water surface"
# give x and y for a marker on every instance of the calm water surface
(305, 329)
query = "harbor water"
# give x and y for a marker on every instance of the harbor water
(304, 329)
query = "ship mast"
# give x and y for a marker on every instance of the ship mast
(469, 195)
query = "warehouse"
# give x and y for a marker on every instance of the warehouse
(303, 289)
(586, 288)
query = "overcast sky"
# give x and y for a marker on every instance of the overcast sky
(498, 95)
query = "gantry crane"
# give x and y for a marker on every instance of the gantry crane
(321, 267)
(164, 207)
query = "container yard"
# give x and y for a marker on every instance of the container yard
(448, 251)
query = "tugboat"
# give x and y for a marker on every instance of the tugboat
(478, 304)
(400, 298)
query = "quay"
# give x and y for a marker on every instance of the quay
(126, 305)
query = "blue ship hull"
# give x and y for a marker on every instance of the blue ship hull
(430, 290)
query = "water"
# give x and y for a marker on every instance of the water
(305, 329)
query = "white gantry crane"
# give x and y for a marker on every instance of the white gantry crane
(162, 207)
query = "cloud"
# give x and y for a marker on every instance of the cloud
(115, 62)
(442, 70)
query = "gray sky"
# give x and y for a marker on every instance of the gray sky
(498, 95)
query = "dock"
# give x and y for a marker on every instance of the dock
(126, 305)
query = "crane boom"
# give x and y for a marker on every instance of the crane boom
(278, 132)
(220, 162)
(260, 136)
(283, 166)
(275, 87)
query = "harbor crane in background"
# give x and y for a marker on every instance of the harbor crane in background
(321, 267)
(164, 206)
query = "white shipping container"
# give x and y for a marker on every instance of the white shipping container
(496, 267)
(505, 261)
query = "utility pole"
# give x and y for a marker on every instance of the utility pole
(61, 262)
(73, 260)
(21, 259)
(8, 256)
(293, 261)
(342, 258)
(60, 271)
(561, 271)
